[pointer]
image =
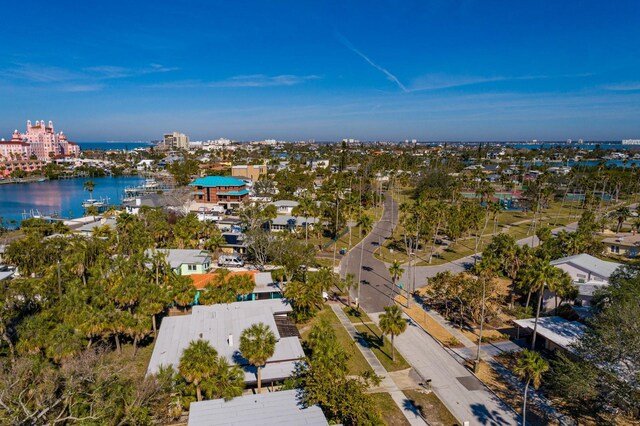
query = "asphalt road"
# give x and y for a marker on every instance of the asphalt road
(375, 281)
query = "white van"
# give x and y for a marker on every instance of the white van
(230, 261)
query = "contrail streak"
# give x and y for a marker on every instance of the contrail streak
(390, 76)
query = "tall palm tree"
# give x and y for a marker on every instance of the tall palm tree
(257, 345)
(531, 366)
(396, 271)
(89, 186)
(620, 215)
(392, 323)
(306, 207)
(199, 361)
(495, 209)
(540, 275)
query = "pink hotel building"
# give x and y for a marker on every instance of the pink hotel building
(40, 141)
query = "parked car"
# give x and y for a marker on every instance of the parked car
(233, 261)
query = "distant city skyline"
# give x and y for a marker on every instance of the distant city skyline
(426, 70)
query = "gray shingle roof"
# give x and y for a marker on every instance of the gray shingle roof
(286, 203)
(283, 220)
(215, 323)
(179, 257)
(267, 409)
(589, 263)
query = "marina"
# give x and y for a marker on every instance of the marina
(60, 198)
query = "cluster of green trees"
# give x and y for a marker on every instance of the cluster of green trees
(601, 378)
(77, 301)
(324, 381)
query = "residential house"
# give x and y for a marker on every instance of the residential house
(265, 286)
(285, 206)
(553, 333)
(186, 261)
(626, 245)
(266, 409)
(222, 190)
(148, 200)
(588, 274)
(144, 165)
(221, 325)
(292, 223)
(89, 228)
(234, 243)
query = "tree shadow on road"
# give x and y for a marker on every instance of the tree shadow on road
(486, 417)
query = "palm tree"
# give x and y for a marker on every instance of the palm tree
(620, 215)
(540, 275)
(257, 345)
(269, 213)
(531, 366)
(347, 284)
(306, 207)
(89, 186)
(391, 322)
(495, 209)
(396, 271)
(227, 383)
(198, 362)
(215, 242)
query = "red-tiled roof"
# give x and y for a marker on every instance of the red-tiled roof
(201, 280)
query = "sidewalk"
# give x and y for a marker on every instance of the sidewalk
(387, 382)
(487, 352)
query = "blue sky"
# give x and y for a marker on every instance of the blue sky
(372, 70)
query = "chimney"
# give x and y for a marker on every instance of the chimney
(230, 339)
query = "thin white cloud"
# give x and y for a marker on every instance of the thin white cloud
(82, 80)
(443, 81)
(623, 87)
(253, 80)
(80, 87)
(386, 72)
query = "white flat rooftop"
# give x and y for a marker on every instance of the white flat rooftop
(215, 324)
(267, 409)
(555, 329)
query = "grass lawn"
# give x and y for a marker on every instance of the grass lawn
(356, 364)
(323, 261)
(431, 408)
(343, 241)
(355, 316)
(372, 337)
(515, 223)
(391, 414)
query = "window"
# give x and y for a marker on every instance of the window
(615, 249)
(192, 268)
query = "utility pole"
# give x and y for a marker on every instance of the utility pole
(476, 367)
(335, 237)
(361, 249)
